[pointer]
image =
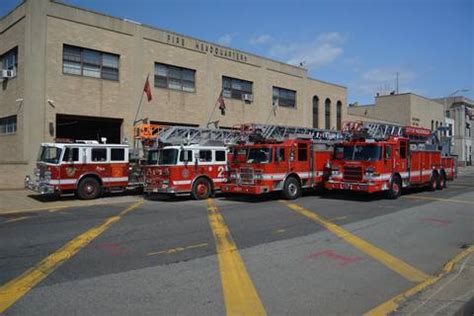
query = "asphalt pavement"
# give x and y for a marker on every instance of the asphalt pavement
(331, 254)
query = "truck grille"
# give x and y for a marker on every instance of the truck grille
(353, 173)
(246, 175)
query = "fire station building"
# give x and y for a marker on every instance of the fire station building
(67, 72)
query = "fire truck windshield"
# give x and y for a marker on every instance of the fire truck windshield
(49, 154)
(358, 153)
(167, 156)
(259, 155)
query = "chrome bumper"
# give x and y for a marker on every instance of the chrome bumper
(38, 186)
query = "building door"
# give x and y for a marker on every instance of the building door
(88, 128)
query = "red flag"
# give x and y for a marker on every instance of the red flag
(147, 90)
(221, 102)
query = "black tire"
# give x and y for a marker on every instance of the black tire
(442, 183)
(433, 184)
(395, 189)
(291, 189)
(201, 189)
(89, 188)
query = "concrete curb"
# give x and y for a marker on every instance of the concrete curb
(451, 294)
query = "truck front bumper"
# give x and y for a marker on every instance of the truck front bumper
(246, 189)
(38, 186)
(160, 189)
(369, 187)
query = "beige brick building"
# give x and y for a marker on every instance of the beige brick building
(405, 109)
(81, 74)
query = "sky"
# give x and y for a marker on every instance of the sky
(360, 44)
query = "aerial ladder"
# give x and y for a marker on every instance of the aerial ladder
(184, 135)
(419, 137)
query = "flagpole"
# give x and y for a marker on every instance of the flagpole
(140, 103)
(212, 112)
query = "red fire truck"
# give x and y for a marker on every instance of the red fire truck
(189, 160)
(384, 157)
(279, 158)
(87, 168)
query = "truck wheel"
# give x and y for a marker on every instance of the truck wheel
(433, 182)
(291, 189)
(395, 189)
(88, 189)
(441, 184)
(201, 189)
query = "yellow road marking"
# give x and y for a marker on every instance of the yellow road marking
(392, 304)
(240, 295)
(391, 262)
(177, 249)
(32, 209)
(17, 219)
(60, 206)
(415, 197)
(16, 288)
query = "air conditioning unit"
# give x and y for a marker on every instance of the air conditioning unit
(247, 97)
(6, 74)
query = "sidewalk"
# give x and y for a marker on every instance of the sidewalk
(453, 294)
(465, 170)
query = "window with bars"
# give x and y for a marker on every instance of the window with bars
(327, 113)
(175, 78)
(338, 115)
(236, 88)
(284, 97)
(8, 125)
(9, 60)
(90, 63)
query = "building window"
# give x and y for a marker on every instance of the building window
(284, 97)
(175, 78)
(8, 125)
(327, 113)
(9, 60)
(236, 88)
(90, 63)
(338, 115)
(315, 111)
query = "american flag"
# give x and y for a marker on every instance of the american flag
(221, 102)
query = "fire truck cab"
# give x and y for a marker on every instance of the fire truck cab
(194, 169)
(87, 168)
(401, 159)
(287, 166)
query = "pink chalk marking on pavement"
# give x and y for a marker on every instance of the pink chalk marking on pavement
(328, 253)
(113, 248)
(441, 222)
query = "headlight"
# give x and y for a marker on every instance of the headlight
(47, 175)
(335, 171)
(369, 172)
(233, 175)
